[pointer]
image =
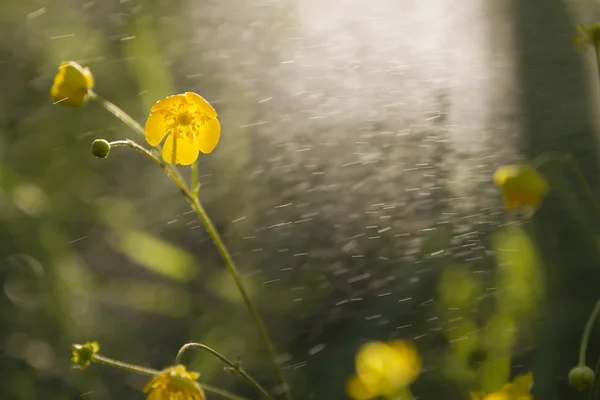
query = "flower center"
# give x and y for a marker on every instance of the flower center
(184, 118)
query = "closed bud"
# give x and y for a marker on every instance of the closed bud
(581, 377)
(100, 148)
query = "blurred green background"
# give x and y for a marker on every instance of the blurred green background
(352, 184)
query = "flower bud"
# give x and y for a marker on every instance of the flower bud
(72, 84)
(82, 354)
(100, 148)
(581, 377)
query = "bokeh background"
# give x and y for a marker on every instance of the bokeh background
(352, 183)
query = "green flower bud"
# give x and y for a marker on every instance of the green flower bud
(581, 377)
(100, 148)
(82, 354)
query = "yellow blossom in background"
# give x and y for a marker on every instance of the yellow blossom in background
(518, 389)
(588, 36)
(383, 369)
(521, 185)
(82, 354)
(191, 124)
(71, 84)
(175, 383)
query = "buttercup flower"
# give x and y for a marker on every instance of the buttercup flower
(588, 36)
(82, 354)
(521, 185)
(518, 389)
(383, 369)
(191, 124)
(71, 84)
(175, 383)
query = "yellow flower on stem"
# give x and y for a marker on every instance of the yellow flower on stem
(383, 369)
(521, 185)
(71, 84)
(191, 124)
(518, 389)
(175, 383)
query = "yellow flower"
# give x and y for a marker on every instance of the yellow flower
(191, 123)
(383, 369)
(518, 389)
(521, 185)
(82, 354)
(71, 84)
(588, 36)
(175, 383)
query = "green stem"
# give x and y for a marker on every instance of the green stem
(597, 54)
(235, 366)
(152, 372)
(568, 159)
(223, 251)
(117, 112)
(586, 333)
(165, 167)
(126, 366)
(235, 274)
(194, 183)
(221, 392)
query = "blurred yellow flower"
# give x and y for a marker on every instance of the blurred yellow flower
(175, 383)
(518, 389)
(383, 369)
(521, 185)
(588, 36)
(71, 84)
(192, 125)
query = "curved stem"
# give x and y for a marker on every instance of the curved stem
(169, 171)
(234, 365)
(152, 372)
(223, 251)
(586, 333)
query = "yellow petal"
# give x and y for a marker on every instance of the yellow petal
(524, 383)
(203, 105)
(358, 391)
(208, 135)
(504, 172)
(167, 102)
(155, 129)
(186, 150)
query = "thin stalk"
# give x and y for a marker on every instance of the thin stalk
(234, 365)
(122, 365)
(568, 159)
(235, 274)
(194, 183)
(152, 372)
(223, 251)
(586, 333)
(117, 112)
